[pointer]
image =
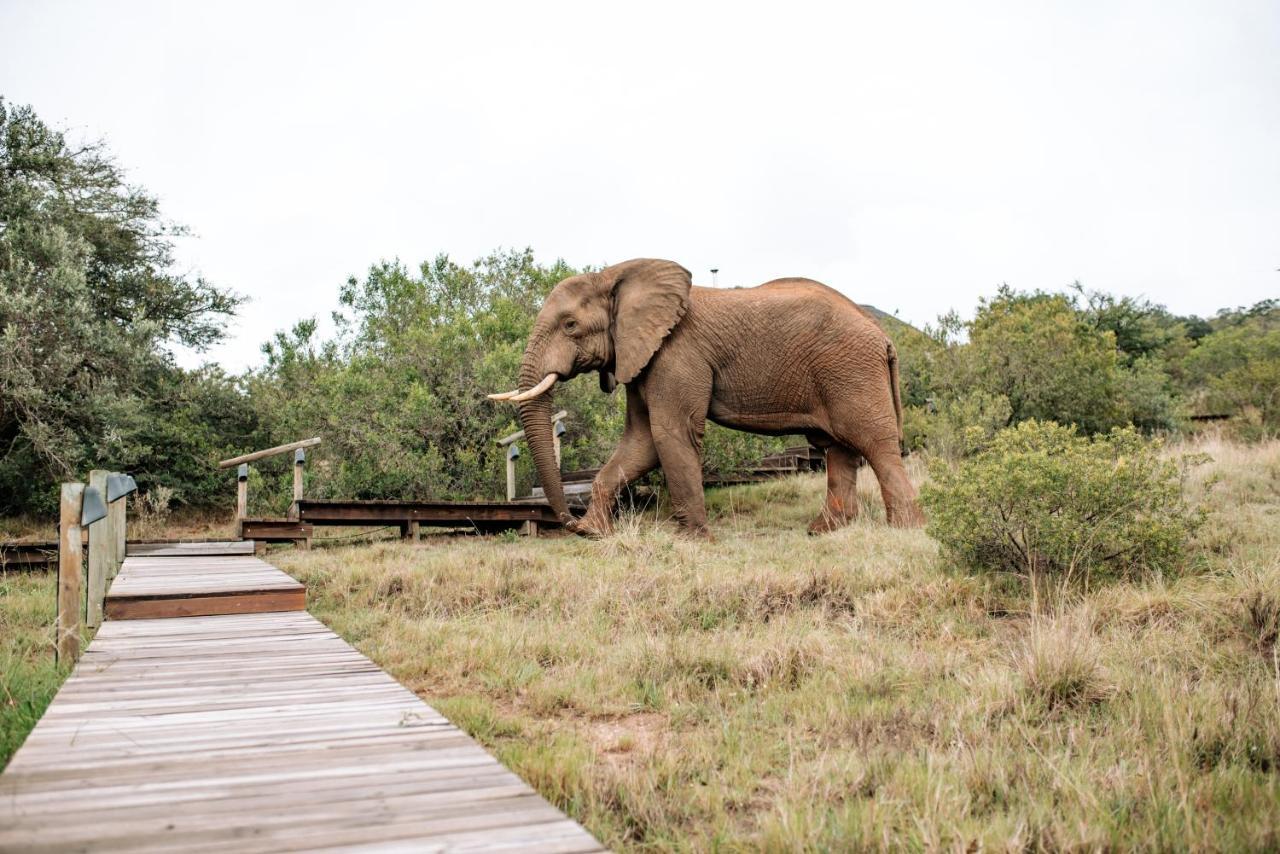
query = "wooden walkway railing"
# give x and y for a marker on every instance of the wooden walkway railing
(252, 729)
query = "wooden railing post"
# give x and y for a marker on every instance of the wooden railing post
(299, 460)
(102, 554)
(242, 491)
(70, 558)
(509, 442)
(556, 433)
(513, 453)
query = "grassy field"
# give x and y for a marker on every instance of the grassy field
(772, 690)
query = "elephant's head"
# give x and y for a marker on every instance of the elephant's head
(611, 321)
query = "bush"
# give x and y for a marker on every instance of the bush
(957, 427)
(1042, 500)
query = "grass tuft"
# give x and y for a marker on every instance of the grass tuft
(1060, 662)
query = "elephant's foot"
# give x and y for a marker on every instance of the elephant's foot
(826, 522)
(905, 515)
(591, 527)
(696, 532)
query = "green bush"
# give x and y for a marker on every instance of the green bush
(957, 427)
(1042, 500)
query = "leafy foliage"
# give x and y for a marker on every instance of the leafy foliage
(1041, 499)
(1236, 369)
(1036, 351)
(959, 426)
(89, 300)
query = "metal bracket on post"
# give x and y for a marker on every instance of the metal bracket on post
(119, 488)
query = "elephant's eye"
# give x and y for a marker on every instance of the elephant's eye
(571, 326)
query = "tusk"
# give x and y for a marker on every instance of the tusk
(505, 395)
(547, 382)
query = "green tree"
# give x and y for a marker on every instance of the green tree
(1236, 369)
(1047, 360)
(89, 303)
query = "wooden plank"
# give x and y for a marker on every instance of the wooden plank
(437, 513)
(275, 530)
(101, 555)
(261, 732)
(28, 556)
(257, 602)
(189, 549)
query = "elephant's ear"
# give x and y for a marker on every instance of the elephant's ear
(649, 298)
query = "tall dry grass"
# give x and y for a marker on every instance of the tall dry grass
(771, 690)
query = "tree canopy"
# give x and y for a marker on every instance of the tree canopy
(89, 304)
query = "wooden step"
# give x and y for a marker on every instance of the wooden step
(191, 584)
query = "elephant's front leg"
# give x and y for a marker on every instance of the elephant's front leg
(634, 457)
(678, 439)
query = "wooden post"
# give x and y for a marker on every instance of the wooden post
(299, 460)
(513, 453)
(556, 433)
(102, 554)
(117, 514)
(242, 490)
(70, 554)
(415, 530)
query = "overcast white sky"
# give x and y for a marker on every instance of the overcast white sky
(913, 155)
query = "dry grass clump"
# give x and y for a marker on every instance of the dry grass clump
(1061, 662)
(775, 691)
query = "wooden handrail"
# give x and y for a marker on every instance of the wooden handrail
(269, 452)
(519, 434)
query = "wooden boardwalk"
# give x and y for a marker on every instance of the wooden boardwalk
(256, 732)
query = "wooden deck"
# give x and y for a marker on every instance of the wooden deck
(256, 732)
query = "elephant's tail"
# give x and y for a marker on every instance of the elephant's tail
(892, 355)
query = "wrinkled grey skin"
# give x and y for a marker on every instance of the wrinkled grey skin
(789, 356)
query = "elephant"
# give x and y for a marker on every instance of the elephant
(791, 356)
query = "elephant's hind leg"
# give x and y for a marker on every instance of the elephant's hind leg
(901, 504)
(841, 505)
(877, 439)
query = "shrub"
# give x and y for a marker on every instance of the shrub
(1042, 500)
(961, 426)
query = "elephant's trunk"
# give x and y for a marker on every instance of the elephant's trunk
(535, 418)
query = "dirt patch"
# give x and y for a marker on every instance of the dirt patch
(623, 740)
